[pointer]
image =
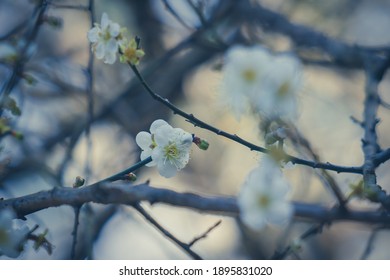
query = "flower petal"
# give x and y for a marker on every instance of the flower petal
(114, 29)
(105, 21)
(100, 50)
(163, 135)
(156, 124)
(144, 140)
(109, 58)
(167, 169)
(93, 34)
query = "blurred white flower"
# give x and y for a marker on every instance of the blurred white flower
(257, 81)
(242, 76)
(278, 91)
(169, 147)
(104, 38)
(11, 239)
(262, 198)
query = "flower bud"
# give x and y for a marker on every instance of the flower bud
(131, 177)
(78, 182)
(201, 143)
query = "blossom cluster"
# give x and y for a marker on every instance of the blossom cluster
(108, 39)
(256, 80)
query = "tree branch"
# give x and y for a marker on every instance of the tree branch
(105, 193)
(182, 245)
(343, 54)
(199, 123)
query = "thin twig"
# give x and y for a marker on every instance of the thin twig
(370, 243)
(381, 157)
(175, 14)
(19, 65)
(75, 231)
(313, 230)
(204, 235)
(89, 91)
(199, 123)
(71, 7)
(121, 175)
(299, 140)
(198, 11)
(182, 245)
(384, 104)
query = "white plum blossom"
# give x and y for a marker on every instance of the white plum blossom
(11, 238)
(105, 39)
(169, 147)
(244, 69)
(282, 82)
(262, 198)
(256, 80)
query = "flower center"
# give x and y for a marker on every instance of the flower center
(249, 75)
(107, 36)
(3, 237)
(264, 201)
(130, 53)
(283, 89)
(171, 151)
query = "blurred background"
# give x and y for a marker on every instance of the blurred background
(184, 52)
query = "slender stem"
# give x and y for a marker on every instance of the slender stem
(370, 243)
(197, 122)
(75, 231)
(204, 235)
(382, 157)
(313, 230)
(181, 244)
(19, 65)
(119, 176)
(90, 101)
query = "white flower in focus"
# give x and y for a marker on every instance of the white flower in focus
(242, 76)
(104, 39)
(262, 198)
(278, 92)
(173, 150)
(146, 142)
(169, 147)
(11, 239)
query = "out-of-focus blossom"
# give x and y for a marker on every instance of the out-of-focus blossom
(243, 74)
(254, 80)
(105, 39)
(262, 198)
(11, 239)
(278, 92)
